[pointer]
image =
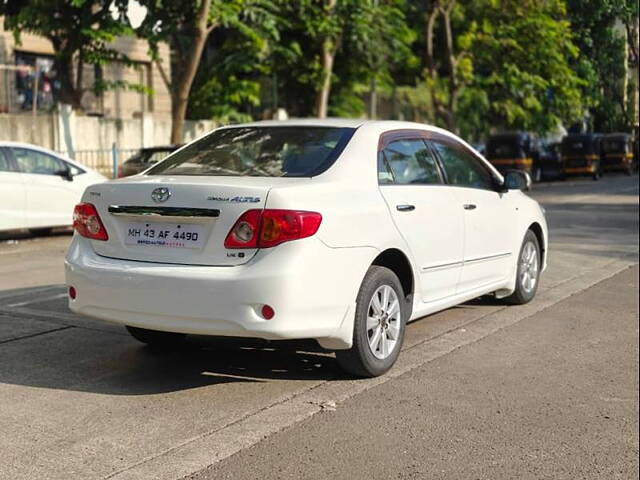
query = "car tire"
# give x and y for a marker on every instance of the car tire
(528, 271)
(376, 346)
(156, 338)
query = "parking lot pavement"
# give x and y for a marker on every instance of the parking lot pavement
(554, 396)
(81, 399)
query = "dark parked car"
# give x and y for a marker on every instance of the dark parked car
(145, 158)
(582, 154)
(618, 153)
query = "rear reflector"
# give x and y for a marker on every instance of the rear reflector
(267, 312)
(72, 293)
(87, 223)
(270, 227)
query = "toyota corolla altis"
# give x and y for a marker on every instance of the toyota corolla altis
(340, 231)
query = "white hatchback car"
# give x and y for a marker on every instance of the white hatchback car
(39, 188)
(336, 230)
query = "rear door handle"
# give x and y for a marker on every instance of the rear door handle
(469, 206)
(405, 208)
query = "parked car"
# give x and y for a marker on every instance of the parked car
(515, 150)
(39, 188)
(335, 230)
(617, 149)
(582, 154)
(144, 159)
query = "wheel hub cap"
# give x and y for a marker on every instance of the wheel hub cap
(383, 321)
(529, 266)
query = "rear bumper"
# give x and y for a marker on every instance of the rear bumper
(311, 287)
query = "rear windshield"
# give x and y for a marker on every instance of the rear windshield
(259, 152)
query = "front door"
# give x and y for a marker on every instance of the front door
(424, 211)
(488, 217)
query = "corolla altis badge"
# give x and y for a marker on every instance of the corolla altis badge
(234, 199)
(160, 194)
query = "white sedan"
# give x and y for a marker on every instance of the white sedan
(39, 188)
(336, 230)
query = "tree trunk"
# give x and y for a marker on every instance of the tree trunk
(70, 91)
(431, 62)
(454, 87)
(322, 98)
(184, 79)
(328, 54)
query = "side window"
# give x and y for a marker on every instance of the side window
(31, 161)
(72, 168)
(5, 166)
(462, 168)
(410, 163)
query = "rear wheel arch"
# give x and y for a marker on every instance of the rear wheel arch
(396, 261)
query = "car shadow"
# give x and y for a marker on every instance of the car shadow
(87, 360)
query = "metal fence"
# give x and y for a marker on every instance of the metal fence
(105, 161)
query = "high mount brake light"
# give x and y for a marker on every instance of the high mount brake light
(87, 223)
(271, 227)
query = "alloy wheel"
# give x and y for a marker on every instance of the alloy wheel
(383, 321)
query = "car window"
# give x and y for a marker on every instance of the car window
(462, 168)
(4, 162)
(72, 168)
(410, 162)
(155, 157)
(31, 161)
(291, 151)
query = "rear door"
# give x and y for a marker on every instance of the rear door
(50, 198)
(12, 194)
(488, 216)
(424, 211)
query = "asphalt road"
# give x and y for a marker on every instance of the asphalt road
(547, 390)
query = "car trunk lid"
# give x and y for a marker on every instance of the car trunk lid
(181, 220)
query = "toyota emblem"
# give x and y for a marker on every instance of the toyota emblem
(160, 194)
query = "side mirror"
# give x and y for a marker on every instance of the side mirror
(517, 180)
(66, 174)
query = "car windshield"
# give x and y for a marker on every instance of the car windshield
(259, 152)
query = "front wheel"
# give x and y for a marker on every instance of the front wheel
(528, 272)
(156, 338)
(379, 324)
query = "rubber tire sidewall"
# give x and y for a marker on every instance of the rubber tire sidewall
(520, 296)
(359, 359)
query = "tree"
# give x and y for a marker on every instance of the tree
(80, 31)
(603, 58)
(185, 25)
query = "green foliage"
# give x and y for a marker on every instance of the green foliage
(522, 54)
(602, 58)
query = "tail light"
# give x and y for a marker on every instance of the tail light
(270, 227)
(87, 223)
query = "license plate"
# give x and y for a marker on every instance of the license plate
(169, 235)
